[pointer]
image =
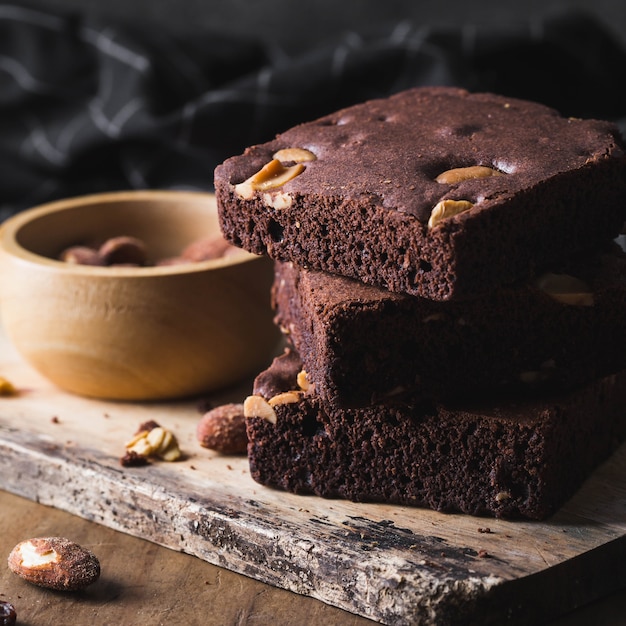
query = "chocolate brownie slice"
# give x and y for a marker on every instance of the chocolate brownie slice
(360, 343)
(434, 191)
(511, 459)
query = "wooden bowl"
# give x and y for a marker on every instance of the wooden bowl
(133, 333)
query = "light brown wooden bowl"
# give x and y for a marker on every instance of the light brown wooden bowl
(127, 333)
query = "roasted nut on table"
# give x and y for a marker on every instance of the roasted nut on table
(223, 429)
(55, 563)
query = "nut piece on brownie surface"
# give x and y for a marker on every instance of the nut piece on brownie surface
(271, 176)
(55, 563)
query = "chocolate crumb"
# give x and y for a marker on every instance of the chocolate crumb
(486, 530)
(483, 554)
(147, 426)
(132, 459)
(55, 420)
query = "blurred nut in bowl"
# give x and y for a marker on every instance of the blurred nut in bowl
(126, 332)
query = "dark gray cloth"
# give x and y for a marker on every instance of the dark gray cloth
(89, 106)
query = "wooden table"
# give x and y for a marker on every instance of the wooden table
(187, 527)
(145, 584)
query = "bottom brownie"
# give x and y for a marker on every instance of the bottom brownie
(519, 459)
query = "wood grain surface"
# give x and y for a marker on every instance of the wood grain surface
(143, 584)
(391, 564)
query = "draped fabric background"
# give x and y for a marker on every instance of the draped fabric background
(91, 105)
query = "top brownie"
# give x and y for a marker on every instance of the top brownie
(434, 191)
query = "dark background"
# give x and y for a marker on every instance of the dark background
(297, 24)
(100, 95)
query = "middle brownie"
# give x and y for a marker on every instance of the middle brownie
(360, 344)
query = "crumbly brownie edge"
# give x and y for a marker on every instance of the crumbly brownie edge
(362, 234)
(467, 256)
(359, 343)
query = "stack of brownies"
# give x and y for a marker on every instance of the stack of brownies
(454, 300)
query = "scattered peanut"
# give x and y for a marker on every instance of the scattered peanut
(151, 440)
(54, 563)
(223, 429)
(447, 208)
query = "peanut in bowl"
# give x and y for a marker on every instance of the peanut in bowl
(133, 332)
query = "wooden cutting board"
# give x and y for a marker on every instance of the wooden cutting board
(392, 564)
